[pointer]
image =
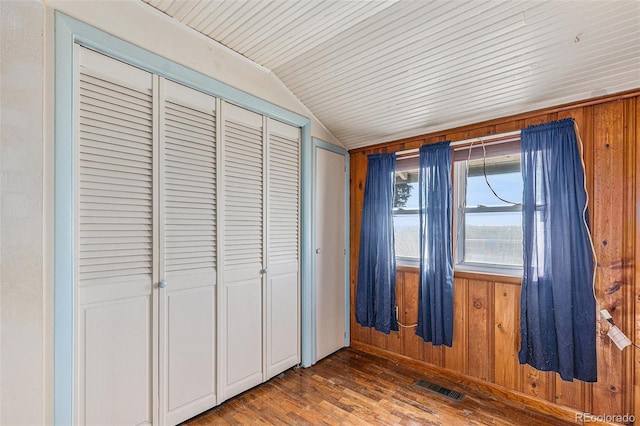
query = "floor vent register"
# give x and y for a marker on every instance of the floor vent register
(447, 393)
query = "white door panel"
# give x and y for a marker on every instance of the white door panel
(283, 345)
(188, 157)
(115, 383)
(330, 239)
(243, 336)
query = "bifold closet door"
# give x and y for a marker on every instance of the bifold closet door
(240, 331)
(282, 290)
(187, 252)
(146, 246)
(116, 305)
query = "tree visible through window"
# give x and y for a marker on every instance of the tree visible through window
(487, 230)
(406, 220)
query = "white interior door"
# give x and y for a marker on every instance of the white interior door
(115, 300)
(241, 316)
(187, 251)
(330, 252)
(282, 290)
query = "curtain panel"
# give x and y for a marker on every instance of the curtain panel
(376, 289)
(558, 312)
(435, 294)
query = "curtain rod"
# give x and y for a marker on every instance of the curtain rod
(467, 141)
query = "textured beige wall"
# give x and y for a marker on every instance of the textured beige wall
(26, 169)
(144, 26)
(22, 329)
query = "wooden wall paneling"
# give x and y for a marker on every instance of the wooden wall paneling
(608, 239)
(630, 230)
(378, 339)
(455, 357)
(412, 343)
(394, 341)
(358, 171)
(569, 394)
(457, 136)
(482, 132)
(427, 352)
(437, 354)
(611, 178)
(636, 294)
(480, 346)
(507, 335)
(508, 126)
(537, 383)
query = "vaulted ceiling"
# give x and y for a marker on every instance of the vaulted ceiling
(374, 71)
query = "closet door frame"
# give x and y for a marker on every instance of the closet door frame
(68, 33)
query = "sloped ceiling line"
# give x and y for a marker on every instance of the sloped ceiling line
(374, 71)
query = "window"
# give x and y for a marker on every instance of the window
(488, 229)
(406, 208)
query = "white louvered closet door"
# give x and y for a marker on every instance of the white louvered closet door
(187, 251)
(282, 291)
(115, 301)
(240, 331)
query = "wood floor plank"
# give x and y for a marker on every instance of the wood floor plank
(357, 388)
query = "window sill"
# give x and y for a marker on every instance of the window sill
(469, 275)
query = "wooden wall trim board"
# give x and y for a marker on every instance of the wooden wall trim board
(487, 307)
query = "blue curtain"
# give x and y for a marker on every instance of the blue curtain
(376, 291)
(558, 312)
(435, 295)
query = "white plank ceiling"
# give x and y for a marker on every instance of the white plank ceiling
(375, 71)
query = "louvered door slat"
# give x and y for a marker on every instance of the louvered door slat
(284, 187)
(190, 164)
(243, 187)
(93, 191)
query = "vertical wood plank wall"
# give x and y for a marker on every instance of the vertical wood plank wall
(487, 308)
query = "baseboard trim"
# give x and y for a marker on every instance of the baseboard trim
(517, 399)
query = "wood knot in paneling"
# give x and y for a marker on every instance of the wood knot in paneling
(477, 304)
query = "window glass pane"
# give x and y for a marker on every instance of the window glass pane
(407, 235)
(504, 176)
(407, 196)
(493, 238)
(507, 186)
(406, 221)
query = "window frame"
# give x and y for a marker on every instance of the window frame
(459, 215)
(459, 180)
(406, 211)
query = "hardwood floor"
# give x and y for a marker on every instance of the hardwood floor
(357, 388)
